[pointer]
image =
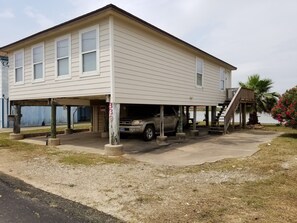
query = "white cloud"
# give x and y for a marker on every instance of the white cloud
(6, 14)
(43, 21)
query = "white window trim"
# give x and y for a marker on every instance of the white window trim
(202, 82)
(97, 71)
(220, 79)
(43, 67)
(23, 73)
(63, 77)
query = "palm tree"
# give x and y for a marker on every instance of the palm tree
(265, 100)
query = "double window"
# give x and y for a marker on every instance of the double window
(19, 67)
(38, 62)
(63, 57)
(89, 50)
(199, 72)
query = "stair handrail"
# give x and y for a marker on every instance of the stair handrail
(234, 104)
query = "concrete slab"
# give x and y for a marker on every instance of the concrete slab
(192, 151)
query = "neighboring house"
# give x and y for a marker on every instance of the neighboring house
(4, 103)
(107, 58)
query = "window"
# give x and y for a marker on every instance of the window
(63, 57)
(199, 72)
(38, 63)
(222, 79)
(19, 67)
(89, 50)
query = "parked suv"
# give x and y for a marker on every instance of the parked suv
(145, 120)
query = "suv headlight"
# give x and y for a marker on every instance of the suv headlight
(137, 122)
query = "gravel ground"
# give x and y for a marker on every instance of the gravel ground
(132, 191)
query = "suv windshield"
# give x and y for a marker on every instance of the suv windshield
(139, 111)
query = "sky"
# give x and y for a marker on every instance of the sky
(256, 36)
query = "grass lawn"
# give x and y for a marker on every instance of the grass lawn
(271, 198)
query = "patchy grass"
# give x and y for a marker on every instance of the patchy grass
(270, 198)
(89, 159)
(31, 151)
(59, 128)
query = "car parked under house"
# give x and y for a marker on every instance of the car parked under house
(110, 57)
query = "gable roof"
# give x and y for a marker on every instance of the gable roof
(120, 11)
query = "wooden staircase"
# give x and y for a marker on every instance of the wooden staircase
(234, 97)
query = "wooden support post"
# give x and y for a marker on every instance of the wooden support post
(162, 139)
(53, 140)
(207, 116)
(180, 134)
(114, 148)
(194, 118)
(92, 118)
(17, 121)
(187, 114)
(16, 135)
(53, 120)
(69, 117)
(213, 115)
(114, 123)
(68, 130)
(162, 121)
(180, 119)
(244, 116)
(194, 131)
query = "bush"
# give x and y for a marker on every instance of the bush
(286, 109)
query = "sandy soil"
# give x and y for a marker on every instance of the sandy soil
(133, 191)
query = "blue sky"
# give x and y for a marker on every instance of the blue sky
(255, 36)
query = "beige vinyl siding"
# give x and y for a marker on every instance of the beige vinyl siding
(150, 69)
(75, 86)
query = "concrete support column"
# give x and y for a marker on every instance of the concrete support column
(180, 134)
(194, 131)
(162, 139)
(213, 115)
(114, 148)
(16, 135)
(207, 116)
(68, 130)
(53, 140)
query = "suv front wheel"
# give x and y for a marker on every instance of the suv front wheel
(149, 133)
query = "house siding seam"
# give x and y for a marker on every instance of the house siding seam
(153, 70)
(75, 86)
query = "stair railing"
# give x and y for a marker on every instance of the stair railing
(242, 94)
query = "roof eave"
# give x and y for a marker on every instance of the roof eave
(116, 9)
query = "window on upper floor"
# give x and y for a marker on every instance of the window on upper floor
(19, 67)
(199, 71)
(38, 62)
(63, 57)
(89, 50)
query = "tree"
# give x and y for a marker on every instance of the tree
(286, 108)
(264, 100)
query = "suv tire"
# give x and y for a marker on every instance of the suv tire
(149, 133)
